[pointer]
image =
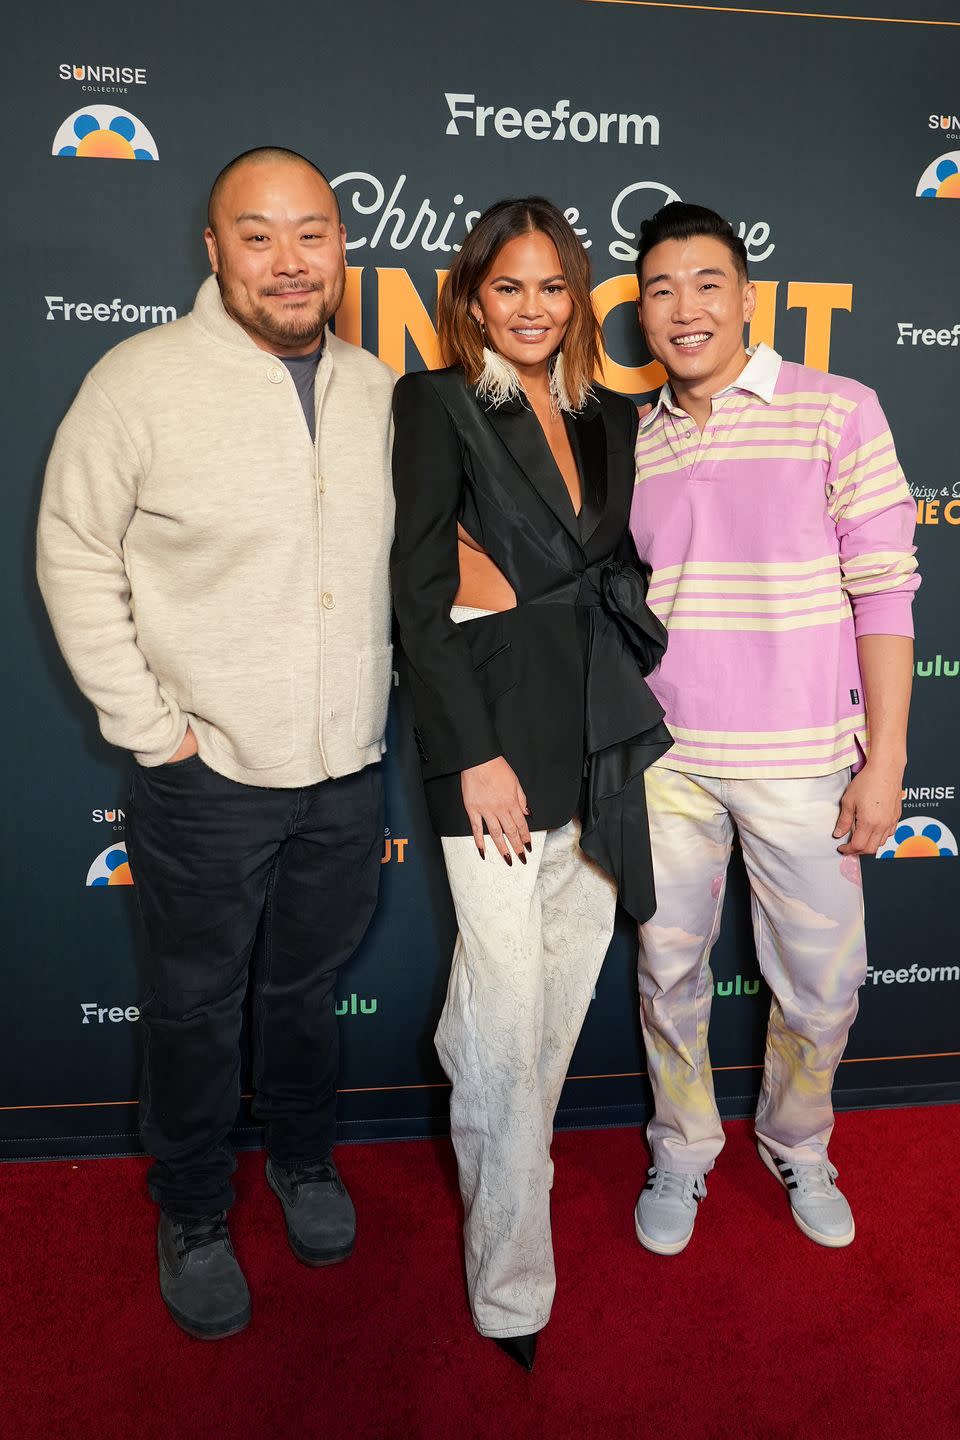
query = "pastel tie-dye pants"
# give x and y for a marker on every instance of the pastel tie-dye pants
(531, 943)
(807, 907)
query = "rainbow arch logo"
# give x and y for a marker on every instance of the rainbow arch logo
(104, 132)
(941, 179)
(919, 838)
(111, 867)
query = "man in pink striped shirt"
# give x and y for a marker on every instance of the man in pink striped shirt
(778, 525)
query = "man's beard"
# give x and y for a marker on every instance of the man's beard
(297, 329)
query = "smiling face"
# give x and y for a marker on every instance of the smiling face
(523, 302)
(278, 251)
(694, 303)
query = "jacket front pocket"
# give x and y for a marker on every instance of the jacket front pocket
(374, 679)
(497, 672)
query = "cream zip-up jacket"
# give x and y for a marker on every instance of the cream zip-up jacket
(204, 563)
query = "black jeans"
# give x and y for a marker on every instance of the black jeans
(236, 882)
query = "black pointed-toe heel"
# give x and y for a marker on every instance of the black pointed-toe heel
(522, 1348)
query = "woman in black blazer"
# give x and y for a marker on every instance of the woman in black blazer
(522, 614)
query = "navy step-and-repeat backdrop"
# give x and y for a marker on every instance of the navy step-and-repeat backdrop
(832, 142)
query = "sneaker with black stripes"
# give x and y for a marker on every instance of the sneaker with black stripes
(667, 1210)
(819, 1207)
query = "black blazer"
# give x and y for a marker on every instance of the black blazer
(556, 684)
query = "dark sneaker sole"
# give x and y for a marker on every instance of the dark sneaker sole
(316, 1259)
(229, 1327)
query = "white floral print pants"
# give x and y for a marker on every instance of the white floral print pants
(531, 943)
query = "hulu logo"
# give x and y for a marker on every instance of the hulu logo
(354, 1006)
(736, 986)
(938, 666)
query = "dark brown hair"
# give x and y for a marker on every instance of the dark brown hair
(461, 339)
(678, 221)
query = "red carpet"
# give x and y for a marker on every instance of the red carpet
(753, 1333)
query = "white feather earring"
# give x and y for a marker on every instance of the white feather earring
(560, 397)
(499, 381)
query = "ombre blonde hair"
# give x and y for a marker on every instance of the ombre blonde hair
(460, 336)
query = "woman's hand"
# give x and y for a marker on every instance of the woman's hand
(492, 796)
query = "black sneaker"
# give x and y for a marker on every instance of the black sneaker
(200, 1280)
(321, 1220)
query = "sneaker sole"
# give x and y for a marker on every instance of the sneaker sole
(316, 1259)
(832, 1242)
(660, 1247)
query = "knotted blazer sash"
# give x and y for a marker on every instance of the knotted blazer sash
(556, 685)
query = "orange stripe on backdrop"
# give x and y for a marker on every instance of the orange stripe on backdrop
(797, 14)
(443, 1085)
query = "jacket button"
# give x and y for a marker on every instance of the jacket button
(275, 375)
(327, 600)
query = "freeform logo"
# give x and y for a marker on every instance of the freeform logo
(555, 124)
(917, 974)
(941, 179)
(925, 669)
(104, 132)
(111, 867)
(919, 838)
(910, 334)
(109, 311)
(104, 79)
(94, 1014)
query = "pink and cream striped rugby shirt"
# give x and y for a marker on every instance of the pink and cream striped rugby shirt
(777, 537)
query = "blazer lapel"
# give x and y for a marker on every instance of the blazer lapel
(519, 430)
(588, 437)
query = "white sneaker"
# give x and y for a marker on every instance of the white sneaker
(819, 1208)
(667, 1210)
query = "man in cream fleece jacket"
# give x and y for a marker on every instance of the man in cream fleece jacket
(213, 552)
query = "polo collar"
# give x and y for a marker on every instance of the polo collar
(758, 377)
